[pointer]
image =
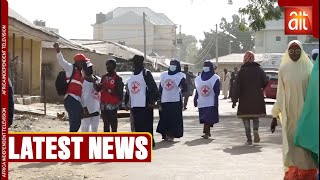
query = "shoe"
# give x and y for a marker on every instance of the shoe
(249, 143)
(205, 136)
(170, 139)
(256, 137)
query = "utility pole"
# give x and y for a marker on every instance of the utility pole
(217, 45)
(144, 36)
(229, 44)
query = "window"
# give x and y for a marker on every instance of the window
(278, 38)
(291, 38)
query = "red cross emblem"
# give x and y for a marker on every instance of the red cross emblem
(205, 90)
(112, 81)
(135, 87)
(169, 84)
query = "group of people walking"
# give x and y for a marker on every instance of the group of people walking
(89, 96)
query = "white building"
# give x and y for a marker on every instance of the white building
(125, 25)
(272, 39)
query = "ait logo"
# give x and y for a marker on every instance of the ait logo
(298, 20)
(205, 90)
(135, 87)
(169, 84)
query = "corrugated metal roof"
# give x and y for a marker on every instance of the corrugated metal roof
(113, 48)
(14, 15)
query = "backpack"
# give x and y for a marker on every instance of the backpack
(61, 84)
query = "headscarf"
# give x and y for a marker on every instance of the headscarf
(314, 51)
(286, 58)
(207, 75)
(248, 57)
(178, 69)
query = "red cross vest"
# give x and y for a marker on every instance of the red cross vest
(75, 85)
(107, 83)
(171, 91)
(205, 91)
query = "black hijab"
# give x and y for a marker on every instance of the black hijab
(178, 69)
(207, 75)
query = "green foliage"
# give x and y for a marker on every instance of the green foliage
(189, 48)
(244, 40)
(259, 11)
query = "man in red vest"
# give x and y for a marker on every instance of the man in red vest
(111, 88)
(72, 99)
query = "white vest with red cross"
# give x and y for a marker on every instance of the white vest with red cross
(137, 90)
(205, 91)
(171, 91)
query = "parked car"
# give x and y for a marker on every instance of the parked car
(125, 76)
(271, 90)
(156, 77)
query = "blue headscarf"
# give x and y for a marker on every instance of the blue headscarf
(178, 69)
(207, 75)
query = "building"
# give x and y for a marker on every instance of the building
(272, 39)
(25, 56)
(124, 25)
(42, 24)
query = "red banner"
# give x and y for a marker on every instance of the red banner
(4, 89)
(80, 147)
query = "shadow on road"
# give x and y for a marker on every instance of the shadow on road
(37, 165)
(164, 144)
(197, 142)
(244, 149)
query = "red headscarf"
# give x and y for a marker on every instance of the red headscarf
(248, 57)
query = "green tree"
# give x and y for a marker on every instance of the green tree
(244, 40)
(189, 48)
(260, 11)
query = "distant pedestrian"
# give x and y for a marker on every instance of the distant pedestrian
(294, 75)
(72, 99)
(190, 86)
(233, 82)
(143, 93)
(207, 97)
(111, 88)
(172, 84)
(11, 102)
(90, 101)
(250, 83)
(225, 83)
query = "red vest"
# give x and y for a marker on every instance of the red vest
(106, 97)
(75, 85)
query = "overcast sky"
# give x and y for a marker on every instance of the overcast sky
(73, 18)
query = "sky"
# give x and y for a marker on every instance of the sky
(74, 18)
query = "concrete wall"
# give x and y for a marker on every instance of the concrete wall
(31, 65)
(265, 41)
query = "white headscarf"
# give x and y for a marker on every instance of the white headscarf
(286, 58)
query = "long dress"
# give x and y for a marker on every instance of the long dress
(171, 120)
(292, 87)
(210, 115)
(307, 133)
